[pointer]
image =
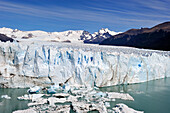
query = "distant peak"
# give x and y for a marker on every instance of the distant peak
(104, 30)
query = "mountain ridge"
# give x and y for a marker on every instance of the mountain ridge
(156, 37)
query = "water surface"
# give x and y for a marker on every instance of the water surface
(150, 97)
(9, 105)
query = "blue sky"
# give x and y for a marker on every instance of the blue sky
(90, 15)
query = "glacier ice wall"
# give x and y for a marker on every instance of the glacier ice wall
(28, 64)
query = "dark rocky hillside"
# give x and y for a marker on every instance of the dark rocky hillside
(157, 37)
(4, 38)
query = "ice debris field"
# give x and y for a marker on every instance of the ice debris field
(76, 99)
(61, 73)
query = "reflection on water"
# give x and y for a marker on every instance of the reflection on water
(151, 97)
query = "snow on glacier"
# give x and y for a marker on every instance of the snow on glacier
(27, 64)
(78, 36)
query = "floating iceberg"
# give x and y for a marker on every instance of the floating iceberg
(123, 96)
(34, 89)
(32, 97)
(5, 96)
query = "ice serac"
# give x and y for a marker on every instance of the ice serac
(27, 64)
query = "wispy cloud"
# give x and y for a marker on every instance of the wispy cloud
(98, 14)
(56, 12)
(109, 11)
(155, 4)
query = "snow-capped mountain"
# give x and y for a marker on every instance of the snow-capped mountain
(101, 35)
(69, 36)
(79, 36)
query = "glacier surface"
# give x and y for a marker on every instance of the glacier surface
(26, 64)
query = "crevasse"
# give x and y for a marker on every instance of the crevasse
(28, 64)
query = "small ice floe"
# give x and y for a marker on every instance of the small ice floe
(107, 104)
(57, 98)
(82, 107)
(33, 90)
(36, 96)
(122, 108)
(53, 100)
(105, 99)
(101, 94)
(5, 96)
(39, 101)
(124, 96)
(25, 97)
(72, 98)
(32, 97)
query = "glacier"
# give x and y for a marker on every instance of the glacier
(28, 64)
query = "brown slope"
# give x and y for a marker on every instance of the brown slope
(164, 26)
(157, 37)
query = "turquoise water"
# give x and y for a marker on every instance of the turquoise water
(150, 97)
(9, 105)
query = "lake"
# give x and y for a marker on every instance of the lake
(150, 97)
